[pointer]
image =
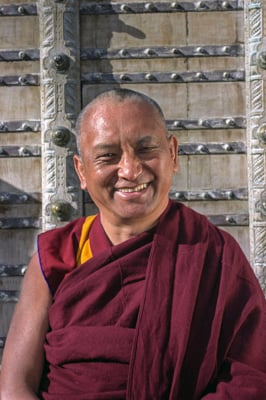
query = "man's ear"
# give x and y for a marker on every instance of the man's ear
(79, 167)
(174, 152)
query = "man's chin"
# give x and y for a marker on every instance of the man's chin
(129, 212)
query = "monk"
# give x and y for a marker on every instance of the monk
(147, 300)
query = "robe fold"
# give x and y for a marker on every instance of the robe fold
(175, 313)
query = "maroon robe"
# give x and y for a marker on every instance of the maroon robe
(194, 328)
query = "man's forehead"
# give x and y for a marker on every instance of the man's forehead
(130, 103)
(110, 113)
(113, 141)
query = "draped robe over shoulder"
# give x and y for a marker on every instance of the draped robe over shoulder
(174, 313)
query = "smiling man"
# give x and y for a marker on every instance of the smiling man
(126, 162)
(146, 300)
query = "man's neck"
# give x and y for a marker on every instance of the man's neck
(121, 232)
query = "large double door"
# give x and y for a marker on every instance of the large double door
(203, 61)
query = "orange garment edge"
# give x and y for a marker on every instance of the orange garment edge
(84, 252)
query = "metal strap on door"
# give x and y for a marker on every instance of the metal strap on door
(59, 81)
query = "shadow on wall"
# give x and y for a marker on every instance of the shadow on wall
(11, 195)
(99, 39)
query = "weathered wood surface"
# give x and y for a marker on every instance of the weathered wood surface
(17, 175)
(125, 43)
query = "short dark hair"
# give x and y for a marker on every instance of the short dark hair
(118, 95)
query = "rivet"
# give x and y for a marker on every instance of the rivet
(200, 76)
(175, 50)
(229, 219)
(206, 196)
(123, 52)
(25, 126)
(200, 5)
(149, 7)
(22, 80)
(202, 149)
(98, 53)
(149, 77)
(226, 4)
(203, 122)
(22, 151)
(226, 75)
(60, 62)
(262, 133)
(226, 49)
(124, 77)
(262, 59)
(125, 8)
(149, 52)
(25, 222)
(21, 10)
(200, 50)
(175, 76)
(22, 55)
(61, 210)
(24, 269)
(23, 197)
(97, 8)
(179, 195)
(177, 124)
(97, 77)
(60, 136)
(230, 122)
(175, 5)
(3, 126)
(230, 194)
(263, 200)
(227, 147)
(261, 204)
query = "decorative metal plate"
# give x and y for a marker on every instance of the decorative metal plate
(164, 77)
(12, 270)
(20, 126)
(161, 52)
(154, 7)
(20, 223)
(20, 151)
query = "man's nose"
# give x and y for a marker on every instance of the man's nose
(129, 167)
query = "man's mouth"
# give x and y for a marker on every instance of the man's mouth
(138, 188)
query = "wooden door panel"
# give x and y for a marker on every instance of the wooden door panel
(219, 28)
(204, 53)
(20, 154)
(205, 68)
(19, 33)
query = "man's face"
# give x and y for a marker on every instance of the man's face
(127, 161)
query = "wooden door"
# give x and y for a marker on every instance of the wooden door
(203, 61)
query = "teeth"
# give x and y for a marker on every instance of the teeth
(135, 189)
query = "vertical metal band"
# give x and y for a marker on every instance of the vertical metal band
(256, 136)
(60, 104)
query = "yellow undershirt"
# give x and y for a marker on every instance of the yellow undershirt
(84, 252)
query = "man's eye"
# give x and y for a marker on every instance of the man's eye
(147, 149)
(107, 157)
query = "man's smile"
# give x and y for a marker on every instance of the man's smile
(137, 188)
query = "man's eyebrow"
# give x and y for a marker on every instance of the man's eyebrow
(146, 139)
(104, 146)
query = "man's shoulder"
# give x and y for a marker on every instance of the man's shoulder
(194, 225)
(72, 226)
(67, 235)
